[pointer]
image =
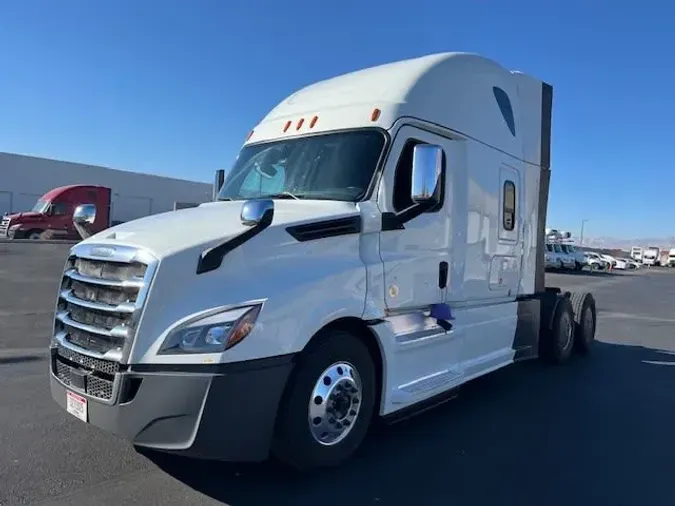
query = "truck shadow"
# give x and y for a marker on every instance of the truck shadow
(19, 359)
(599, 430)
(593, 274)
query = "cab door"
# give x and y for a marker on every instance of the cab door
(415, 243)
(422, 268)
(60, 216)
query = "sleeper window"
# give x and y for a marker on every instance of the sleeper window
(509, 214)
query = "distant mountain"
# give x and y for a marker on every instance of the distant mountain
(627, 244)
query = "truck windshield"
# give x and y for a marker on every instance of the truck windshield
(337, 166)
(40, 207)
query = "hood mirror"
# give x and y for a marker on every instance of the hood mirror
(426, 174)
(257, 212)
(83, 219)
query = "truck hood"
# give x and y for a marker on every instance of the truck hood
(25, 217)
(167, 233)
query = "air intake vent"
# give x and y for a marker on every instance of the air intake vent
(324, 229)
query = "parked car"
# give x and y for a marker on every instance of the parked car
(632, 263)
(621, 263)
(578, 255)
(595, 261)
(609, 259)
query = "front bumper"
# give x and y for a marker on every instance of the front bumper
(222, 411)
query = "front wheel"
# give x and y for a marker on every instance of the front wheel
(328, 404)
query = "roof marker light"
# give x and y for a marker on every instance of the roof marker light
(313, 122)
(302, 120)
(375, 115)
(287, 126)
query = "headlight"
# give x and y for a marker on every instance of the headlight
(212, 333)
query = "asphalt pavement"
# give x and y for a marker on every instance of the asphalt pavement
(596, 431)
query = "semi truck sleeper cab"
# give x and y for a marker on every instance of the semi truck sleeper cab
(378, 243)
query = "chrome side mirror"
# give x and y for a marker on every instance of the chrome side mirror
(83, 219)
(426, 173)
(256, 212)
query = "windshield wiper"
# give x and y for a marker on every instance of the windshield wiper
(281, 195)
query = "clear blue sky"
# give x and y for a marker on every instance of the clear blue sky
(172, 87)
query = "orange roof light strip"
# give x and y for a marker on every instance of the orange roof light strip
(301, 122)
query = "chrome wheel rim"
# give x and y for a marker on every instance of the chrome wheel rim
(566, 330)
(335, 403)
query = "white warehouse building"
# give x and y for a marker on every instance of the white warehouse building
(23, 179)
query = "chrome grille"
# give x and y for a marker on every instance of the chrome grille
(104, 294)
(100, 301)
(4, 226)
(95, 364)
(89, 381)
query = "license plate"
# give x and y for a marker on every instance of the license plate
(76, 405)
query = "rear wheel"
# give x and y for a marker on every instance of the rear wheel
(328, 404)
(34, 235)
(583, 305)
(557, 340)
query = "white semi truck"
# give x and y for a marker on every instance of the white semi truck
(651, 256)
(378, 243)
(671, 257)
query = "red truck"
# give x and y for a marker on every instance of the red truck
(52, 215)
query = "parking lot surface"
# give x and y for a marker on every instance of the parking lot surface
(596, 431)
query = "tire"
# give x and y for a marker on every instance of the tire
(585, 320)
(561, 265)
(295, 441)
(34, 235)
(577, 266)
(557, 340)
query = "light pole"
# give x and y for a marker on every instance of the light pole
(581, 235)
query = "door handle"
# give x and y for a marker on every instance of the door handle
(442, 275)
